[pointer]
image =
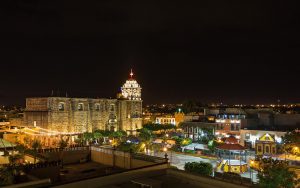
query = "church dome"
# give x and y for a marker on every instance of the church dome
(131, 90)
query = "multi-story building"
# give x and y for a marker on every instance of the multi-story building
(65, 114)
(228, 124)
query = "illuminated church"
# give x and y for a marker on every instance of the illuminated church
(78, 115)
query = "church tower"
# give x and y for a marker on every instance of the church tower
(131, 90)
(130, 105)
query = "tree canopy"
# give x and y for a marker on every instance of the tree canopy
(158, 127)
(291, 141)
(275, 173)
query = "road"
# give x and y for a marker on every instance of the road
(178, 160)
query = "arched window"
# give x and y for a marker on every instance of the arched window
(61, 106)
(80, 107)
(112, 107)
(97, 107)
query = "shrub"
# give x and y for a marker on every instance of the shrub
(199, 168)
(190, 151)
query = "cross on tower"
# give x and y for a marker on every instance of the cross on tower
(131, 73)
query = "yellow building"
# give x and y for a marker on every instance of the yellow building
(266, 145)
(235, 166)
(179, 117)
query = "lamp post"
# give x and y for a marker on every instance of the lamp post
(251, 175)
(166, 155)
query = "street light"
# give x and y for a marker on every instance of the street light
(166, 155)
(251, 174)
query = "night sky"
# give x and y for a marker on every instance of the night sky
(210, 50)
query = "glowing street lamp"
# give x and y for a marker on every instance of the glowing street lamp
(166, 155)
(165, 149)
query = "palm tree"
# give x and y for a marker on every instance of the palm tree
(87, 137)
(117, 136)
(146, 137)
(9, 172)
(36, 144)
(97, 136)
(62, 144)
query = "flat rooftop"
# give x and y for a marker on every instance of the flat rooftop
(77, 172)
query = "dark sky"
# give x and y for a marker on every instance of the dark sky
(211, 50)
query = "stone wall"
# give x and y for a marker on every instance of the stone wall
(120, 159)
(64, 115)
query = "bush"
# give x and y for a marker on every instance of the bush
(199, 168)
(186, 141)
(127, 147)
(190, 151)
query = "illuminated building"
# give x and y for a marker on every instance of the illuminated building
(228, 124)
(165, 120)
(131, 90)
(198, 130)
(249, 138)
(86, 114)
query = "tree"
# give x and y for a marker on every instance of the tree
(87, 137)
(146, 137)
(186, 141)
(158, 127)
(97, 136)
(117, 136)
(62, 144)
(199, 168)
(36, 144)
(275, 173)
(8, 173)
(291, 141)
(212, 145)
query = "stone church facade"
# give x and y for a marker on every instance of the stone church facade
(77, 115)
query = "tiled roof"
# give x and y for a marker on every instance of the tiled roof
(231, 147)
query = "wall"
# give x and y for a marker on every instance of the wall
(69, 156)
(118, 178)
(201, 181)
(120, 159)
(46, 114)
(287, 119)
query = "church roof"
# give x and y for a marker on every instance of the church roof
(236, 147)
(231, 140)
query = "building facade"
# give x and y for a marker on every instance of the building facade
(65, 114)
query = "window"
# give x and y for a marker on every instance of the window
(191, 130)
(273, 150)
(112, 108)
(237, 127)
(232, 127)
(80, 107)
(97, 107)
(247, 136)
(267, 149)
(61, 106)
(259, 148)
